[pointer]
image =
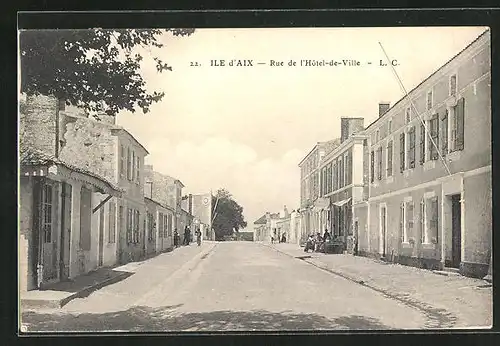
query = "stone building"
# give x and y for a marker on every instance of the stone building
(341, 183)
(200, 206)
(65, 230)
(310, 201)
(428, 200)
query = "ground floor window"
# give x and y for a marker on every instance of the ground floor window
(431, 223)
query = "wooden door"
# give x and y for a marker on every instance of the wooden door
(47, 233)
(456, 231)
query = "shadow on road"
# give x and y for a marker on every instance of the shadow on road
(165, 319)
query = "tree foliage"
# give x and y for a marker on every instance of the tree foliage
(96, 69)
(228, 215)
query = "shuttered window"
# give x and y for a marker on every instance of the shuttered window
(372, 167)
(411, 147)
(129, 164)
(402, 230)
(459, 119)
(112, 223)
(453, 85)
(422, 144)
(122, 160)
(402, 152)
(434, 138)
(444, 133)
(389, 159)
(379, 163)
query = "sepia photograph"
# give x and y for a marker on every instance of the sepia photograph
(254, 179)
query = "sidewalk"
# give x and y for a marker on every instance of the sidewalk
(61, 293)
(458, 301)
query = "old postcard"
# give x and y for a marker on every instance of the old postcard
(271, 179)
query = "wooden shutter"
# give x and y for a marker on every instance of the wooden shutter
(422, 221)
(444, 133)
(379, 154)
(389, 159)
(460, 119)
(402, 152)
(422, 144)
(434, 222)
(122, 160)
(372, 167)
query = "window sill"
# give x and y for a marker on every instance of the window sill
(407, 245)
(428, 246)
(454, 156)
(431, 164)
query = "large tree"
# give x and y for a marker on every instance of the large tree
(228, 215)
(95, 69)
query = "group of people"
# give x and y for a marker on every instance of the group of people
(280, 240)
(316, 242)
(187, 237)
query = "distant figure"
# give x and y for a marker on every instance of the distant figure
(283, 238)
(176, 238)
(186, 235)
(317, 243)
(198, 237)
(327, 236)
(309, 244)
(272, 239)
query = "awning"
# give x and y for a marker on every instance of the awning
(321, 203)
(342, 203)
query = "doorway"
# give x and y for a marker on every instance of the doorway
(456, 231)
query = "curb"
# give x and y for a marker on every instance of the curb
(84, 292)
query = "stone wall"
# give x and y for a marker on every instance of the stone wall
(37, 126)
(91, 146)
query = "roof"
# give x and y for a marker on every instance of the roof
(432, 74)
(159, 204)
(35, 157)
(319, 144)
(261, 220)
(119, 128)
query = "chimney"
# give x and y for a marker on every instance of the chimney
(383, 107)
(350, 126)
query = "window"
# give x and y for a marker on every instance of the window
(372, 167)
(402, 223)
(444, 133)
(169, 222)
(165, 226)
(379, 162)
(129, 226)
(349, 168)
(342, 171)
(402, 152)
(422, 144)
(330, 173)
(377, 136)
(112, 223)
(453, 85)
(411, 147)
(138, 166)
(129, 164)
(389, 126)
(408, 115)
(431, 220)
(409, 220)
(389, 159)
(457, 126)
(335, 177)
(122, 160)
(134, 163)
(47, 213)
(434, 137)
(429, 100)
(136, 228)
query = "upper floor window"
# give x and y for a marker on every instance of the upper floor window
(457, 126)
(402, 152)
(411, 147)
(129, 164)
(408, 115)
(372, 166)
(422, 143)
(138, 168)
(453, 85)
(429, 100)
(434, 137)
(389, 159)
(379, 163)
(123, 158)
(389, 126)
(377, 136)
(444, 133)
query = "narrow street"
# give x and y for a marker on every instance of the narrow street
(227, 286)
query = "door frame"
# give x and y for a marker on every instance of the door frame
(100, 260)
(382, 246)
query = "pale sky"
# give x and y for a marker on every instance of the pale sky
(247, 128)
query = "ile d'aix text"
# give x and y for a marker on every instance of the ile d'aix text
(301, 63)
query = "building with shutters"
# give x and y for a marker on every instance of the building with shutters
(427, 185)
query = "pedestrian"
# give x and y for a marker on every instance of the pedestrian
(176, 238)
(318, 242)
(272, 239)
(309, 243)
(283, 238)
(327, 236)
